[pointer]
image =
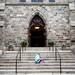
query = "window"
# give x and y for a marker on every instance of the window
(51, 0)
(22, 0)
(37, 0)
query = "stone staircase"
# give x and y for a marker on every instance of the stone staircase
(27, 63)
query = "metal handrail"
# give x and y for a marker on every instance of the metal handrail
(19, 53)
(60, 60)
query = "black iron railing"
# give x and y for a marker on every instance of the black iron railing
(58, 57)
(18, 57)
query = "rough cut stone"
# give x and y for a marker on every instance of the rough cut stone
(20, 16)
(58, 20)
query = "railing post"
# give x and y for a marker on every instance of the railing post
(25, 48)
(49, 48)
(53, 48)
(60, 66)
(16, 65)
(20, 53)
(55, 53)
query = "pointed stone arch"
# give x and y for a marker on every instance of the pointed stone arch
(37, 31)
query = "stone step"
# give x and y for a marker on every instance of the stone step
(47, 71)
(38, 65)
(49, 61)
(32, 67)
(27, 63)
(44, 67)
(41, 68)
(32, 57)
(36, 48)
(67, 52)
(36, 71)
(33, 64)
(29, 53)
(37, 51)
(30, 71)
(32, 61)
(49, 56)
(43, 57)
(45, 60)
(43, 48)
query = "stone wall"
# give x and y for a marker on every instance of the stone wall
(2, 7)
(18, 18)
(72, 23)
(72, 20)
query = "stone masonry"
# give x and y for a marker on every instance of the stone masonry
(58, 17)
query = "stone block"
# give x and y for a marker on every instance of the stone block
(73, 49)
(2, 23)
(2, 6)
(72, 6)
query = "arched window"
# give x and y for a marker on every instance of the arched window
(37, 0)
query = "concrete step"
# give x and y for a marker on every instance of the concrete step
(47, 53)
(38, 71)
(43, 48)
(32, 61)
(48, 57)
(67, 52)
(36, 48)
(33, 64)
(46, 71)
(38, 66)
(49, 61)
(9, 54)
(30, 71)
(27, 63)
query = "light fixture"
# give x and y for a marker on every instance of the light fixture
(37, 27)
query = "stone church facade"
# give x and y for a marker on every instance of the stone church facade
(18, 17)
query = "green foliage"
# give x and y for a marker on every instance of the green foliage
(50, 43)
(10, 48)
(23, 43)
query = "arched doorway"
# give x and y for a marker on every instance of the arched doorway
(37, 32)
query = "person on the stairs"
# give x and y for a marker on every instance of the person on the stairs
(38, 59)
